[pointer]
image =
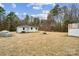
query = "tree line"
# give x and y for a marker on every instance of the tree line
(11, 20)
(57, 19)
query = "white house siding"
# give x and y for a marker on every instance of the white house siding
(73, 29)
(73, 32)
(19, 29)
(26, 29)
(33, 29)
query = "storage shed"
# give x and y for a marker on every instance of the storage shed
(73, 29)
(26, 28)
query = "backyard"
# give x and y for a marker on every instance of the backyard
(52, 43)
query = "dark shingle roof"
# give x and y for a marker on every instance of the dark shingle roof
(26, 26)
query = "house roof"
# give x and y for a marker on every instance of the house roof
(26, 26)
(74, 23)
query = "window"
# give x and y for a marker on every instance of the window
(23, 28)
(31, 28)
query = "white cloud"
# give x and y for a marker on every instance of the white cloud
(17, 13)
(7, 12)
(45, 11)
(54, 4)
(13, 5)
(37, 7)
(44, 14)
(35, 4)
(30, 4)
(41, 16)
(1, 5)
(24, 13)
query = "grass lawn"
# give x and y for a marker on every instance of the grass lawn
(52, 43)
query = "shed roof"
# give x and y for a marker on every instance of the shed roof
(73, 25)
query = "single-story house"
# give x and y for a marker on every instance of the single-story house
(73, 29)
(26, 28)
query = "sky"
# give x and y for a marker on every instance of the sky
(40, 10)
(31, 9)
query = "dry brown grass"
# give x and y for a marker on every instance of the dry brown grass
(52, 43)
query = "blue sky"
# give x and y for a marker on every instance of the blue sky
(31, 9)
